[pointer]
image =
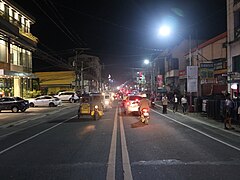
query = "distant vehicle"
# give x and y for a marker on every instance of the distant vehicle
(131, 104)
(107, 102)
(68, 96)
(14, 104)
(45, 101)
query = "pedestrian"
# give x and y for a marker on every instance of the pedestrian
(175, 103)
(229, 107)
(164, 103)
(184, 104)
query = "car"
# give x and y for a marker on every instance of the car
(68, 96)
(130, 104)
(14, 104)
(107, 102)
(45, 101)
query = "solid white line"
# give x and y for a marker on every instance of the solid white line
(200, 132)
(112, 153)
(127, 173)
(21, 142)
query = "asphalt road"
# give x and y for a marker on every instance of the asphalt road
(59, 146)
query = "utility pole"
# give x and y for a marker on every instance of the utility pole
(82, 80)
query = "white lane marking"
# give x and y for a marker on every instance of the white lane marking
(127, 173)
(200, 132)
(112, 153)
(205, 123)
(46, 130)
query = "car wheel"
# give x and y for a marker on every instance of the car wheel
(51, 105)
(15, 109)
(31, 105)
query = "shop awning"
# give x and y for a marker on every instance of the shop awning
(6, 73)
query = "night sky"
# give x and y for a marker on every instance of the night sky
(121, 32)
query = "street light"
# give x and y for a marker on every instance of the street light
(164, 31)
(146, 61)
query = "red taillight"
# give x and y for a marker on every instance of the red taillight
(145, 110)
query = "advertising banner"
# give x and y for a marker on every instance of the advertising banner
(192, 78)
(160, 81)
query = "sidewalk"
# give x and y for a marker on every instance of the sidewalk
(201, 119)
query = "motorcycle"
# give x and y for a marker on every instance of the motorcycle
(96, 113)
(145, 115)
(152, 103)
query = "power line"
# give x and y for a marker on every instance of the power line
(55, 23)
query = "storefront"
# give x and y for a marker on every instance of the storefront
(15, 83)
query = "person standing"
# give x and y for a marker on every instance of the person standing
(229, 106)
(164, 103)
(184, 104)
(175, 103)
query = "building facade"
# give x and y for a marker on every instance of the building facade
(87, 73)
(233, 45)
(210, 57)
(16, 47)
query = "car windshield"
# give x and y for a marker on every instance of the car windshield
(135, 98)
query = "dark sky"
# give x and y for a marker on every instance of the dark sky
(121, 32)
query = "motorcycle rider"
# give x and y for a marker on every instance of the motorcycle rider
(144, 103)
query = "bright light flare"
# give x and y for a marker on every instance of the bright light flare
(164, 31)
(146, 61)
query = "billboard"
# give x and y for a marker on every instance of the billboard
(192, 78)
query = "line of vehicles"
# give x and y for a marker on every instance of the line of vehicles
(17, 104)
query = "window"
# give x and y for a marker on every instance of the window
(236, 24)
(236, 64)
(3, 51)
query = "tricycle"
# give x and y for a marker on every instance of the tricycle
(91, 106)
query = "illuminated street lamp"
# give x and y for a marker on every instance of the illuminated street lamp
(146, 61)
(164, 31)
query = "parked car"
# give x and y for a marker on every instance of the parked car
(68, 96)
(13, 103)
(130, 104)
(44, 101)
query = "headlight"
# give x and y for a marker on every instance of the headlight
(107, 102)
(96, 106)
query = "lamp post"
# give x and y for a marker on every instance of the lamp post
(147, 62)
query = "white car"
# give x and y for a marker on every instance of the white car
(45, 101)
(68, 96)
(131, 104)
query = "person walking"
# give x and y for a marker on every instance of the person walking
(229, 107)
(164, 103)
(175, 103)
(184, 104)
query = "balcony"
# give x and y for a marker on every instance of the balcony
(28, 35)
(10, 19)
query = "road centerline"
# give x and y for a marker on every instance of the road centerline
(127, 173)
(112, 154)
